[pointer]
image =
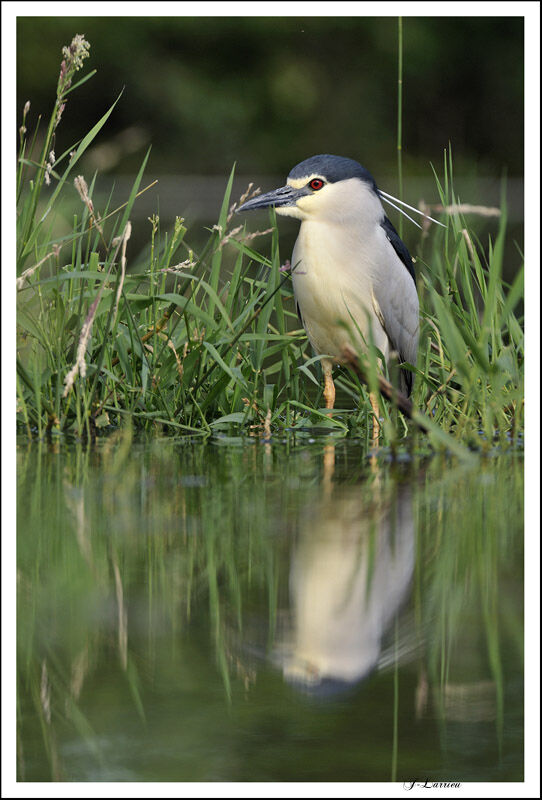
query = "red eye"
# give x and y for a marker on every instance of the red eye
(316, 184)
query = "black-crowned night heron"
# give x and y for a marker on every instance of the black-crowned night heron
(350, 572)
(352, 273)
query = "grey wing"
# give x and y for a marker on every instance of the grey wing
(396, 297)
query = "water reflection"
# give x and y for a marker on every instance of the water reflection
(156, 583)
(349, 574)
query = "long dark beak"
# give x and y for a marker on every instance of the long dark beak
(285, 196)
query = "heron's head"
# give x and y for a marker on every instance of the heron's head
(325, 187)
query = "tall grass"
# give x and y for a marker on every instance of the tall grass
(187, 342)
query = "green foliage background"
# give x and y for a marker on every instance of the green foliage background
(268, 92)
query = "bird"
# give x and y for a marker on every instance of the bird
(353, 276)
(350, 572)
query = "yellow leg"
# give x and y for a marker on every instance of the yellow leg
(329, 468)
(329, 386)
(376, 423)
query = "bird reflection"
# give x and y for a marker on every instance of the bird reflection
(349, 574)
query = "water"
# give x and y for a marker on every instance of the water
(286, 611)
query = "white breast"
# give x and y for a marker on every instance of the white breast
(337, 267)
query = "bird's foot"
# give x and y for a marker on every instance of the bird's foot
(329, 392)
(376, 420)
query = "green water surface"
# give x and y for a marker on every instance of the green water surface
(237, 610)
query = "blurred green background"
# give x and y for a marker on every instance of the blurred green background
(267, 92)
